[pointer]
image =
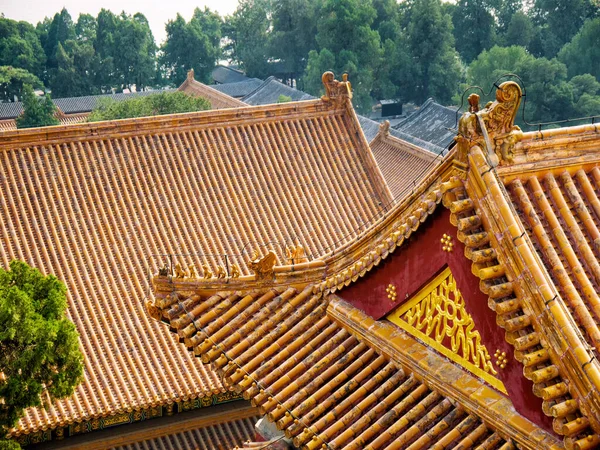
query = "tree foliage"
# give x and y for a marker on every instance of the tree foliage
(248, 33)
(192, 45)
(435, 62)
(474, 27)
(39, 349)
(550, 93)
(20, 47)
(582, 54)
(36, 112)
(150, 105)
(12, 81)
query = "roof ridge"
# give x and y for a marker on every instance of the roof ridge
(181, 121)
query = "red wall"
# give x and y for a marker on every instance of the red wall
(412, 266)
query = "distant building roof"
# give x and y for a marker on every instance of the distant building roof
(432, 123)
(224, 75)
(217, 99)
(270, 91)
(371, 128)
(73, 105)
(10, 110)
(239, 89)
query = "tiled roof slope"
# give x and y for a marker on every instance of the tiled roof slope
(270, 90)
(92, 202)
(371, 129)
(402, 164)
(217, 99)
(221, 436)
(239, 89)
(287, 349)
(10, 110)
(431, 123)
(64, 119)
(223, 74)
(530, 225)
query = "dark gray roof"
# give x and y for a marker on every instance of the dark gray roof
(270, 90)
(73, 105)
(10, 110)
(224, 75)
(371, 128)
(239, 89)
(432, 123)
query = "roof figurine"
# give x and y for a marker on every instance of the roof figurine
(495, 123)
(337, 92)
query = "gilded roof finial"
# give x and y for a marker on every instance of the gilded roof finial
(336, 91)
(384, 128)
(497, 117)
(473, 103)
(263, 267)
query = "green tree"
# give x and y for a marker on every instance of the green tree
(559, 21)
(582, 54)
(474, 28)
(192, 45)
(293, 34)
(105, 48)
(248, 31)
(9, 445)
(36, 112)
(348, 44)
(53, 33)
(520, 30)
(585, 95)
(495, 62)
(20, 47)
(39, 349)
(12, 81)
(437, 70)
(75, 62)
(150, 105)
(134, 52)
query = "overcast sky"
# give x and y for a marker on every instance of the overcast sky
(157, 12)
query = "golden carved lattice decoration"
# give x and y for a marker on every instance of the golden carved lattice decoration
(437, 316)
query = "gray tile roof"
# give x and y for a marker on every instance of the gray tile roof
(72, 105)
(432, 123)
(224, 75)
(10, 110)
(239, 89)
(371, 128)
(270, 90)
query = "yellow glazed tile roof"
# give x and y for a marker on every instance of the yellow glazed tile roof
(218, 100)
(402, 164)
(327, 385)
(92, 202)
(220, 436)
(526, 208)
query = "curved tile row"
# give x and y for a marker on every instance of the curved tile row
(313, 379)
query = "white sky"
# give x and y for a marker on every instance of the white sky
(157, 12)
